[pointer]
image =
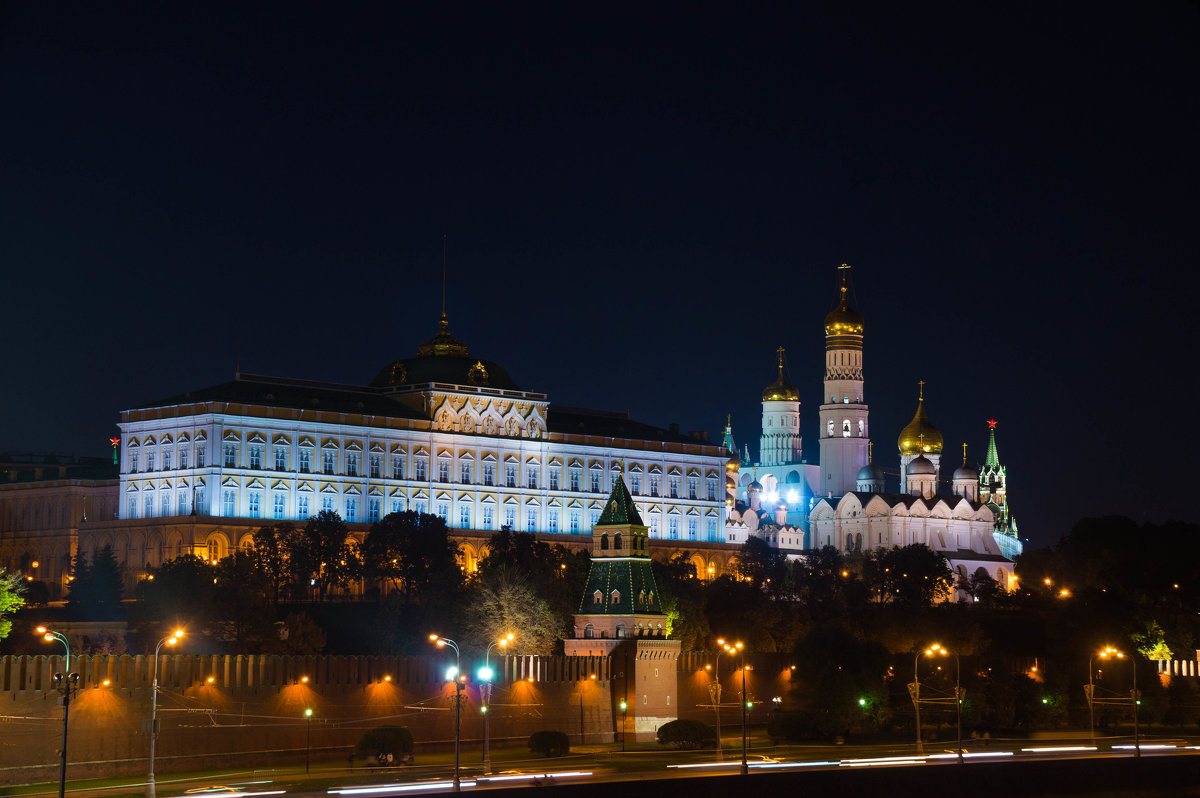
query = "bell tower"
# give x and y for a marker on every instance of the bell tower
(843, 434)
(780, 442)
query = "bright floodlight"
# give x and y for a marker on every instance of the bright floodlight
(451, 673)
(433, 637)
(793, 496)
(486, 673)
(42, 630)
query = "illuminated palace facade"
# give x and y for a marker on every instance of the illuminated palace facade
(843, 501)
(441, 433)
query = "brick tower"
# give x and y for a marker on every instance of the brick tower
(620, 616)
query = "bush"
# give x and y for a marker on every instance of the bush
(686, 733)
(384, 740)
(549, 743)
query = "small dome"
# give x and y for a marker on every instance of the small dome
(844, 320)
(780, 391)
(870, 473)
(733, 464)
(966, 472)
(921, 466)
(920, 436)
(755, 486)
(730, 482)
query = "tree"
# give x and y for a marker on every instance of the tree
(271, 547)
(241, 600)
(415, 553)
(555, 574)
(10, 599)
(502, 602)
(96, 587)
(180, 593)
(321, 556)
(913, 576)
(1152, 643)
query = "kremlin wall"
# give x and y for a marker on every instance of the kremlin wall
(248, 710)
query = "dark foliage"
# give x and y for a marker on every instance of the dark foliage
(550, 743)
(687, 734)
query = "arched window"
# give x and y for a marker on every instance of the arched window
(589, 631)
(829, 428)
(617, 541)
(845, 428)
(862, 428)
(620, 631)
(604, 542)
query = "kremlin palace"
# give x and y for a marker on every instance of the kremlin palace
(453, 435)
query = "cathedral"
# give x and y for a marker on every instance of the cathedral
(844, 501)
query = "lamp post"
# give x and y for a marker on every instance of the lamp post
(934, 650)
(1137, 741)
(714, 692)
(170, 640)
(307, 735)
(485, 675)
(916, 697)
(1105, 653)
(738, 648)
(66, 683)
(456, 674)
(624, 719)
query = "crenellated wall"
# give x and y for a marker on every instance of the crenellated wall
(249, 710)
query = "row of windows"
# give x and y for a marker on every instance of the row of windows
(513, 478)
(274, 505)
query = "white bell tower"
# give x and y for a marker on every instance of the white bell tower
(844, 434)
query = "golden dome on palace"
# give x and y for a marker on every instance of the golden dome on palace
(844, 320)
(920, 436)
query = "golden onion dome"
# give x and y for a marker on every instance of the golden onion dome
(920, 436)
(733, 464)
(780, 390)
(844, 320)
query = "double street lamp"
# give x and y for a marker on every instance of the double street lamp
(738, 648)
(456, 674)
(1105, 653)
(66, 683)
(486, 674)
(714, 692)
(169, 640)
(938, 650)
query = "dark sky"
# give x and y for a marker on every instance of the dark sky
(642, 203)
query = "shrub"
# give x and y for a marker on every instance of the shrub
(383, 740)
(687, 733)
(549, 743)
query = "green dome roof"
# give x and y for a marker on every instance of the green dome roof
(443, 358)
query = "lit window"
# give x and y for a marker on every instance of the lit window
(327, 461)
(488, 513)
(254, 503)
(510, 475)
(397, 505)
(673, 528)
(302, 508)
(327, 504)
(376, 509)
(280, 458)
(553, 477)
(464, 472)
(464, 516)
(510, 517)
(166, 460)
(673, 484)
(278, 501)
(181, 507)
(420, 506)
(230, 455)
(595, 480)
(376, 466)
(574, 519)
(306, 461)
(531, 476)
(420, 465)
(654, 483)
(443, 469)
(397, 466)
(574, 477)
(352, 464)
(711, 488)
(228, 501)
(149, 461)
(443, 511)
(635, 484)
(351, 508)
(552, 521)
(183, 457)
(201, 453)
(531, 519)
(489, 474)
(693, 528)
(256, 452)
(693, 487)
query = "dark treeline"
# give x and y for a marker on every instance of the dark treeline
(854, 622)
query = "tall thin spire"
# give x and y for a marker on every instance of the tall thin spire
(921, 395)
(780, 351)
(993, 459)
(443, 275)
(870, 452)
(964, 453)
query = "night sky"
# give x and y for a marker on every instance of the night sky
(641, 205)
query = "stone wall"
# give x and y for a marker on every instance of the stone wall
(248, 710)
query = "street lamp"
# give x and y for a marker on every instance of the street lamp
(1105, 653)
(933, 651)
(307, 736)
(737, 648)
(66, 683)
(485, 675)
(454, 673)
(624, 720)
(714, 692)
(170, 640)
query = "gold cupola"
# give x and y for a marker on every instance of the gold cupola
(780, 390)
(844, 324)
(920, 436)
